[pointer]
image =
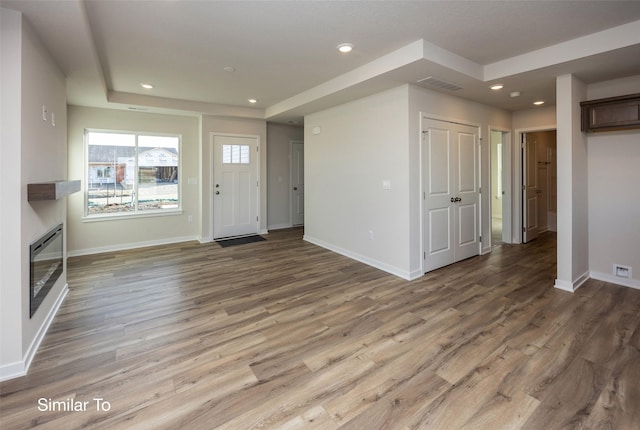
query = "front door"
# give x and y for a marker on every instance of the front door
(297, 183)
(450, 193)
(235, 186)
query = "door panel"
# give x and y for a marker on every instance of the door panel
(297, 183)
(531, 189)
(451, 195)
(235, 188)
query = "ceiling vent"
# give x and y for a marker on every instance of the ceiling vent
(437, 83)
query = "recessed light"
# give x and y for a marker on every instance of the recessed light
(497, 87)
(146, 86)
(345, 47)
(253, 100)
(539, 102)
(229, 69)
(514, 94)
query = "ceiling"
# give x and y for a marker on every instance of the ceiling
(284, 54)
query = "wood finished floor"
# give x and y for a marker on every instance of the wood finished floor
(283, 334)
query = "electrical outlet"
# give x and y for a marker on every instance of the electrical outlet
(190, 218)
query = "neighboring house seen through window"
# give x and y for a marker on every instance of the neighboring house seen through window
(131, 173)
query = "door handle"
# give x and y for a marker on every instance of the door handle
(217, 192)
(295, 188)
(453, 200)
(458, 199)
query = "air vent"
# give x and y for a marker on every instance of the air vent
(437, 83)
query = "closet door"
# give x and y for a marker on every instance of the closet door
(450, 193)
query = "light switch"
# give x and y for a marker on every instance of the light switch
(386, 184)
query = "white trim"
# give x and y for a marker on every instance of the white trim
(20, 368)
(606, 277)
(571, 286)
(133, 245)
(126, 215)
(366, 260)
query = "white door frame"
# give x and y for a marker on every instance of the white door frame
(516, 204)
(428, 116)
(291, 143)
(211, 177)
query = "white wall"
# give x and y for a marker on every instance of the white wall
(213, 124)
(360, 144)
(279, 137)
(91, 236)
(33, 150)
(614, 177)
(444, 106)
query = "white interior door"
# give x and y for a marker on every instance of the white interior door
(530, 190)
(235, 186)
(450, 193)
(297, 183)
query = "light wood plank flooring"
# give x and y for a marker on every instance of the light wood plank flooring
(282, 334)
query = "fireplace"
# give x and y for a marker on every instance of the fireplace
(46, 266)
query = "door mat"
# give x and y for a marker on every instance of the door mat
(239, 240)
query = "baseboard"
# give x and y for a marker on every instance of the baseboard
(606, 277)
(571, 286)
(20, 368)
(134, 245)
(364, 259)
(279, 226)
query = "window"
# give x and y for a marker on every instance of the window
(131, 173)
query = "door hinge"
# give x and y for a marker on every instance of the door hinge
(424, 195)
(257, 219)
(479, 190)
(524, 229)
(424, 255)
(480, 239)
(257, 148)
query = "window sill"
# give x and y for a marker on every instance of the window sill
(123, 216)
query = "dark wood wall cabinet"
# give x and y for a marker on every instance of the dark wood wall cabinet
(614, 113)
(53, 190)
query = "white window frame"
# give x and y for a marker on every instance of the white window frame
(136, 213)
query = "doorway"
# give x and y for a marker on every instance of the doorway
(235, 185)
(500, 198)
(539, 183)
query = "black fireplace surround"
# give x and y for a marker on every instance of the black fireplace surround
(46, 266)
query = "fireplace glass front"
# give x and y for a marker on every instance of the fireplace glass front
(46, 266)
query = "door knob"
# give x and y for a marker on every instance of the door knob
(453, 200)
(458, 199)
(295, 188)
(217, 192)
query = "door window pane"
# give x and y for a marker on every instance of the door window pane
(235, 154)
